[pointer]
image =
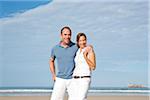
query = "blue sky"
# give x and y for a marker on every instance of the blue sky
(117, 30)
(9, 7)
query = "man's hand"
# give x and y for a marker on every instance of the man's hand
(87, 50)
(52, 68)
(54, 78)
(85, 53)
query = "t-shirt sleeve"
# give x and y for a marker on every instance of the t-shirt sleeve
(52, 54)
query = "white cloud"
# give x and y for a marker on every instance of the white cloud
(113, 28)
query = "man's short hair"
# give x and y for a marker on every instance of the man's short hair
(66, 27)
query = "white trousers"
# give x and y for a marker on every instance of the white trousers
(79, 88)
(60, 87)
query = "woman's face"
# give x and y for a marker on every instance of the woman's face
(82, 42)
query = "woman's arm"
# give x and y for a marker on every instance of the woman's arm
(90, 59)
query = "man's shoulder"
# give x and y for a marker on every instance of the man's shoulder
(74, 45)
(55, 46)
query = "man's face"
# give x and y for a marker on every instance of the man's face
(66, 36)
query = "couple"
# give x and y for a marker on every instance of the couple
(75, 63)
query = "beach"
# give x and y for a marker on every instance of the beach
(89, 98)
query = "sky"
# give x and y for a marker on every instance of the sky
(9, 7)
(117, 30)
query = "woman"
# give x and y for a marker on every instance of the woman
(84, 64)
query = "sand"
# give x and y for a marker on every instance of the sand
(89, 98)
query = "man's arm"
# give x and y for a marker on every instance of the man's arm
(52, 68)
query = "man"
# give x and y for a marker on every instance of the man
(64, 52)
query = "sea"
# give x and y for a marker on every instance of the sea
(94, 91)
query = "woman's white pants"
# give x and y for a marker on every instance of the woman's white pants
(79, 88)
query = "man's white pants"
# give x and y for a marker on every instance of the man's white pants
(60, 87)
(80, 88)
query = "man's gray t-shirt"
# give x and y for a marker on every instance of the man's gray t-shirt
(65, 59)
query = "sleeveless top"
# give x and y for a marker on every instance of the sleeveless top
(81, 66)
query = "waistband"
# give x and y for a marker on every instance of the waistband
(81, 77)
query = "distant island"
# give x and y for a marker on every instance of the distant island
(136, 86)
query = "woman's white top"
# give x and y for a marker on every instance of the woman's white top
(81, 66)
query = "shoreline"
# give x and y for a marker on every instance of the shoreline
(89, 97)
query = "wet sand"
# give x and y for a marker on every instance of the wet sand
(89, 98)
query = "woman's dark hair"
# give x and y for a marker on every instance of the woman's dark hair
(79, 35)
(66, 27)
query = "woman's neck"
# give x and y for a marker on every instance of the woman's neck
(81, 48)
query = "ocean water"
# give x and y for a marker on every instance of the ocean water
(92, 91)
